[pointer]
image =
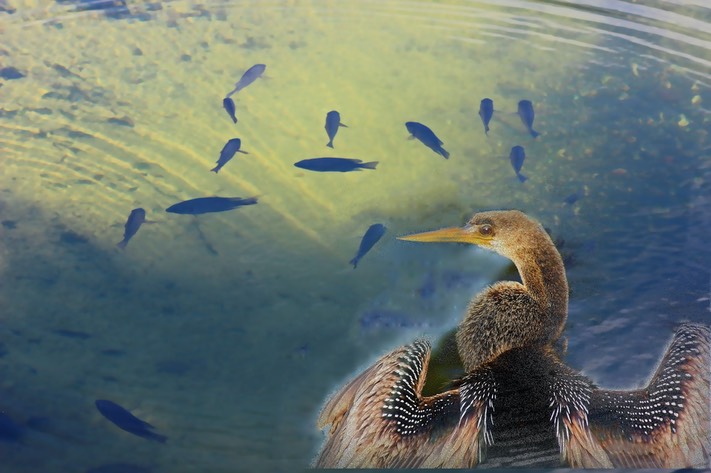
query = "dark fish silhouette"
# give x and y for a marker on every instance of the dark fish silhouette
(517, 156)
(525, 111)
(427, 137)
(127, 421)
(374, 233)
(228, 151)
(135, 219)
(334, 164)
(572, 198)
(249, 76)
(486, 111)
(333, 121)
(229, 105)
(203, 205)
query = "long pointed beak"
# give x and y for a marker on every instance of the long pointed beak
(453, 234)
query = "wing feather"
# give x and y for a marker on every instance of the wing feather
(666, 424)
(380, 420)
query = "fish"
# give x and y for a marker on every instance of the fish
(228, 151)
(427, 137)
(572, 198)
(127, 421)
(334, 164)
(517, 156)
(333, 121)
(203, 205)
(374, 233)
(136, 218)
(249, 76)
(525, 111)
(229, 105)
(486, 111)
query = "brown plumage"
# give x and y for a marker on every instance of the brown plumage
(519, 404)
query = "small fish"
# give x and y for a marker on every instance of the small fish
(203, 205)
(229, 105)
(127, 421)
(486, 111)
(525, 111)
(228, 151)
(334, 164)
(136, 218)
(517, 156)
(427, 137)
(572, 198)
(333, 121)
(374, 233)
(250, 75)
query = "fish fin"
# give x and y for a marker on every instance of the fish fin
(521, 177)
(370, 165)
(534, 133)
(411, 137)
(122, 244)
(344, 126)
(330, 144)
(444, 153)
(241, 151)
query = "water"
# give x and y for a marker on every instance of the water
(228, 331)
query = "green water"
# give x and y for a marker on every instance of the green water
(228, 331)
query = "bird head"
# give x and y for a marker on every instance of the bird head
(501, 231)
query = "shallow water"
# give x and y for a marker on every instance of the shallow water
(228, 331)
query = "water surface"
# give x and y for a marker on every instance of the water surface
(228, 331)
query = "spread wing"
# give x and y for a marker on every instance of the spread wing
(665, 425)
(380, 419)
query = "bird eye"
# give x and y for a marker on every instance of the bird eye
(486, 230)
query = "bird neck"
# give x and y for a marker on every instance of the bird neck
(543, 275)
(501, 318)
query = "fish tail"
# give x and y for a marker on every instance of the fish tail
(534, 133)
(444, 153)
(216, 169)
(521, 177)
(370, 165)
(234, 119)
(486, 130)
(157, 437)
(245, 201)
(330, 144)
(122, 244)
(354, 262)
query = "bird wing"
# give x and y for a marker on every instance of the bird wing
(666, 424)
(380, 419)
